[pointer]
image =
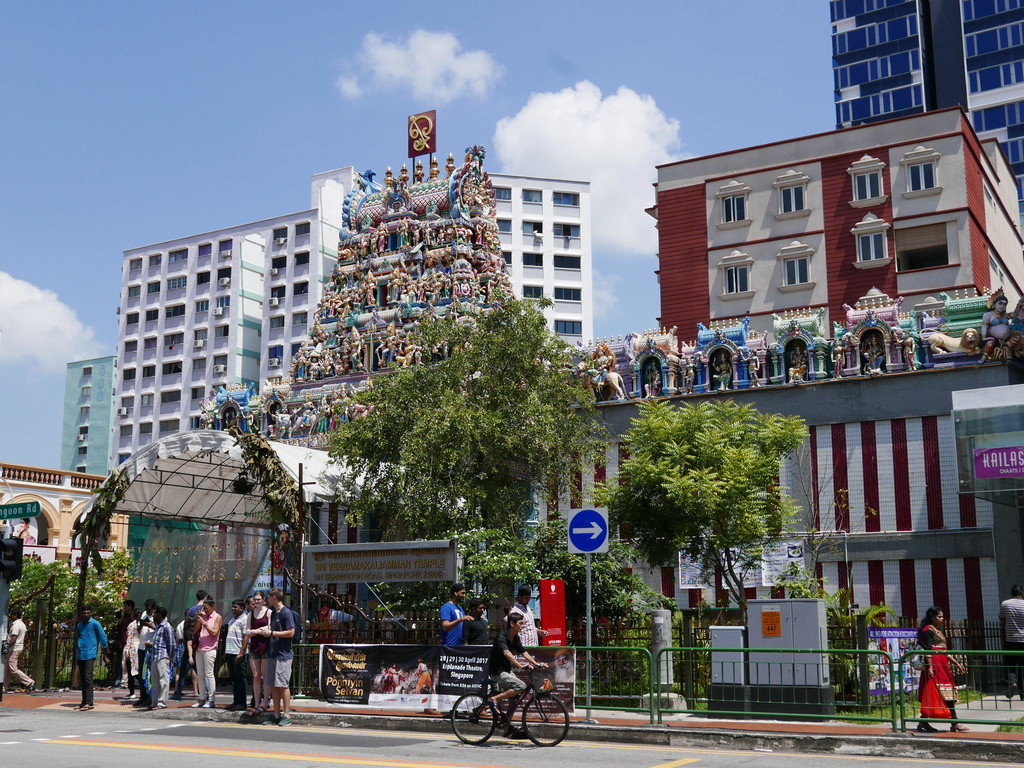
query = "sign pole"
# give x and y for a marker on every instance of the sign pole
(589, 638)
(4, 593)
(587, 532)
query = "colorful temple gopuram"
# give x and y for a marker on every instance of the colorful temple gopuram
(410, 249)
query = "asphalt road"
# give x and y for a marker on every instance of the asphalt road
(52, 738)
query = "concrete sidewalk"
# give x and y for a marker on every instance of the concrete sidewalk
(824, 737)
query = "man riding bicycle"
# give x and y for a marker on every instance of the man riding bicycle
(503, 658)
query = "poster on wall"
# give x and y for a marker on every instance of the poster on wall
(24, 528)
(776, 558)
(425, 676)
(691, 576)
(895, 642)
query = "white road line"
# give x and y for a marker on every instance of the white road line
(41, 739)
(97, 733)
(6, 743)
(73, 736)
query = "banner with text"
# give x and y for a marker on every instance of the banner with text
(425, 676)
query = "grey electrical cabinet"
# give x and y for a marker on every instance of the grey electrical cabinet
(783, 670)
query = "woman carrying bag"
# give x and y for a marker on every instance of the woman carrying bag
(937, 690)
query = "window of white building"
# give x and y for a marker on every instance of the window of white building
(732, 198)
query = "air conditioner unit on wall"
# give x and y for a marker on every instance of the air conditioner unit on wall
(225, 254)
(274, 362)
(280, 241)
(122, 411)
(199, 344)
(224, 282)
(274, 271)
(220, 369)
(274, 301)
(218, 311)
(81, 438)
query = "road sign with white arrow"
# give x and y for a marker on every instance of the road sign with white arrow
(588, 530)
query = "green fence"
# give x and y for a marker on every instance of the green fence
(790, 683)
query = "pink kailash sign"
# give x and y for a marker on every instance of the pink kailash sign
(990, 463)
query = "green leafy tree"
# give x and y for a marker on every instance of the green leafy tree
(704, 479)
(104, 592)
(457, 444)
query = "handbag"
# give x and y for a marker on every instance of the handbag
(915, 658)
(932, 704)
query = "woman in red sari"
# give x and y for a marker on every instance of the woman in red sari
(938, 672)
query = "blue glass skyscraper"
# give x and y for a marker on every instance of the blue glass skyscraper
(892, 58)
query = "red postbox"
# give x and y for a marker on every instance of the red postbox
(552, 611)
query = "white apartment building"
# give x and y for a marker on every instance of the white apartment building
(230, 307)
(544, 226)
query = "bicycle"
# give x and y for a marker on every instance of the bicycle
(545, 720)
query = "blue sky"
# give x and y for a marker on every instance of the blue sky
(132, 123)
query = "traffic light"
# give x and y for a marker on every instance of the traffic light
(12, 552)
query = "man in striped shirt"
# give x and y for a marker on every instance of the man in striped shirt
(161, 650)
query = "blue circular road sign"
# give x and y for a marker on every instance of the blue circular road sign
(588, 531)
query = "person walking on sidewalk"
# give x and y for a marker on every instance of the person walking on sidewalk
(1011, 617)
(118, 643)
(206, 653)
(234, 656)
(161, 649)
(146, 627)
(89, 639)
(17, 633)
(281, 630)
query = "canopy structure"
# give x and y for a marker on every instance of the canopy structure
(197, 477)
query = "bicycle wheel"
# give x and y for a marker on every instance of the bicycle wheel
(473, 719)
(545, 720)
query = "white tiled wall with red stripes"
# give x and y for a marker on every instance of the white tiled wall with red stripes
(895, 476)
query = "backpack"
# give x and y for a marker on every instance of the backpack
(297, 637)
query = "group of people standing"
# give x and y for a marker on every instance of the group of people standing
(149, 653)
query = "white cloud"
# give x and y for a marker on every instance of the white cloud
(349, 87)
(606, 288)
(39, 330)
(614, 142)
(432, 65)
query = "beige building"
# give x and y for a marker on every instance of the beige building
(62, 496)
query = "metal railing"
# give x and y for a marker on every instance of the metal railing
(981, 680)
(619, 679)
(788, 683)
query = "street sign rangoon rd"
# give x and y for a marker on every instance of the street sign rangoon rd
(22, 509)
(588, 530)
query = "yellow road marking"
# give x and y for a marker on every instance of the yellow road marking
(304, 756)
(676, 763)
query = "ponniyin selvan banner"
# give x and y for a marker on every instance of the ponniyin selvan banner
(425, 676)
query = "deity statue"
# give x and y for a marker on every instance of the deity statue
(838, 358)
(797, 363)
(722, 376)
(754, 370)
(873, 353)
(999, 338)
(909, 352)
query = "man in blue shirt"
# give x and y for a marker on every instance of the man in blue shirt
(452, 616)
(280, 630)
(161, 649)
(89, 638)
